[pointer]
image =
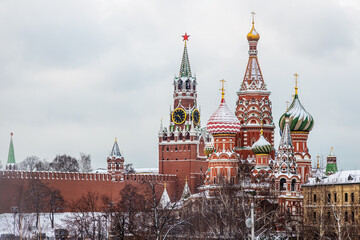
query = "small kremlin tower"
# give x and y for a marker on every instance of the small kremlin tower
(331, 166)
(223, 161)
(253, 105)
(116, 163)
(181, 145)
(301, 123)
(11, 164)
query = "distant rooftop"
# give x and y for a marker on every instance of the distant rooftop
(342, 177)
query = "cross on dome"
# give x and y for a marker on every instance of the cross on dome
(222, 89)
(253, 16)
(296, 79)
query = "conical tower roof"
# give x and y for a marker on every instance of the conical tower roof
(11, 155)
(185, 70)
(115, 152)
(165, 199)
(186, 192)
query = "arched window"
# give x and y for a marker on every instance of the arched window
(187, 85)
(180, 84)
(293, 184)
(282, 184)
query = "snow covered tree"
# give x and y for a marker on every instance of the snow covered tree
(43, 166)
(65, 163)
(29, 163)
(85, 163)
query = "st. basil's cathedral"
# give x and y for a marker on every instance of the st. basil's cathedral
(237, 144)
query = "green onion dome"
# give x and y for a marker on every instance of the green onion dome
(261, 146)
(209, 149)
(300, 119)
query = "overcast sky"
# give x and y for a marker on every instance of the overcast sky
(76, 74)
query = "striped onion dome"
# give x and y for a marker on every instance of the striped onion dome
(300, 119)
(223, 121)
(209, 149)
(261, 146)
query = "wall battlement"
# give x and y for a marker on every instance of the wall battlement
(76, 176)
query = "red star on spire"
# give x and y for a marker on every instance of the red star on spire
(185, 37)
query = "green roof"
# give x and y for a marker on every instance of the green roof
(11, 156)
(331, 168)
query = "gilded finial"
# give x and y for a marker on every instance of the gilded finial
(296, 86)
(253, 17)
(115, 139)
(261, 130)
(287, 105)
(222, 88)
(318, 161)
(185, 178)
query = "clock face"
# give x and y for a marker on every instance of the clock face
(196, 117)
(178, 116)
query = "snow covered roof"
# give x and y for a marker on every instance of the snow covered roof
(300, 119)
(223, 120)
(165, 199)
(146, 170)
(342, 177)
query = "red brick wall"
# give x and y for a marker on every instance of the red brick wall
(73, 185)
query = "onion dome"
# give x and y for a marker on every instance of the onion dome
(300, 119)
(209, 149)
(253, 35)
(261, 146)
(223, 121)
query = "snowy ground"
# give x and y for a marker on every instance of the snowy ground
(9, 222)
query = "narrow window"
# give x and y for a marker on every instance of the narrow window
(328, 215)
(329, 197)
(314, 197)
(352, 216)
(167, 149)
(282, 184)
(352, 197)
(314, 216)
(293, 184)
(335, 198)
(346, 217)
(346, 197)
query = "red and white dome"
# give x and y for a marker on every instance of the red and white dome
(223, 121)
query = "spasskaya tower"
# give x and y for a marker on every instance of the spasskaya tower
(181, 144)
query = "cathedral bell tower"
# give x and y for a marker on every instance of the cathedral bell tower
(253, 105)
(181, 145)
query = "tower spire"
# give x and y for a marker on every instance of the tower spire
(10, 165)
(185, 70)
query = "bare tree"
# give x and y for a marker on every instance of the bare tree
(29, 163)
(65, 163)
(86, 219)
(37, 198)
(85, 162)
(128, 168)
(56, 204)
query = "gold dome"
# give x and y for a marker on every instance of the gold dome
(253, 35)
